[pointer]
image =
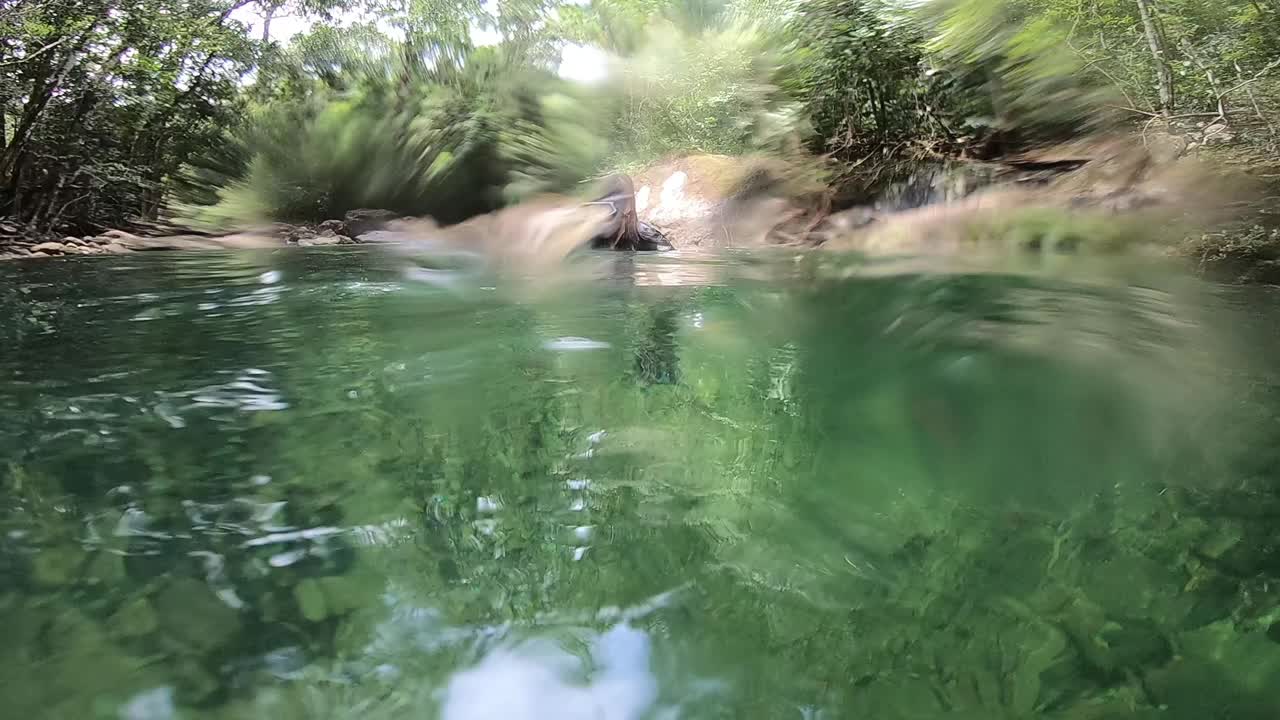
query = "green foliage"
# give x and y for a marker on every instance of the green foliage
(100, 104)
(1012, 68)
(108, 114)
(709, 92)
(1062, 65)
(860, 75)
(376, 125)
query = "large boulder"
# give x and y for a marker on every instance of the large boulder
(51, 248)
(723, 201)
(365, 220)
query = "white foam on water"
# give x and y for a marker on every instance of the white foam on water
(575, 343)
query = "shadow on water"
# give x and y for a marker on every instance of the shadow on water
(299, 484)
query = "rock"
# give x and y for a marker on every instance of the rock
(311, 600)
(193, 616)
(324, 239)
(359, 222)
(1220, 538)
(381, 236)
(72, 241)
(106, 567)
(50, 247)
(1135, 643)
(1215, 598)
(56, 567)
(134, 619)
(355, 632)
(334, 595)
(1249, 657)
(1192, 689)
(1217, 134)
(1221, 672)
(333, 227)
(196, 685)
(120, 236)
(1257, 555)
(115, 248)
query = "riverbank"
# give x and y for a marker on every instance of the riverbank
(1216, 207)
(143, 236)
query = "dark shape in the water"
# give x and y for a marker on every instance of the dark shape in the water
(625, 231)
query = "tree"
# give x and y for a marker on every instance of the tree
(1153, 29)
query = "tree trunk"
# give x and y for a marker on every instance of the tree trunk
(42, 92)
(269, 13)
(1151, 27)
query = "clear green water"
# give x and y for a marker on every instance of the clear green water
(300, 485)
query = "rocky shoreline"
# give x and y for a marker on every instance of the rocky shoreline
(358, 226)
(1107, 195)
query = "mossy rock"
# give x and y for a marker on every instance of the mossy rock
(134, 619)
(311, 600)
(334, 595)
(194, 618)
(106, 567)
(56, 567)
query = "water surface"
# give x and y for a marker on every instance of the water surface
(308, 484)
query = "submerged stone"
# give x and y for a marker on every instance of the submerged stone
(1134, 643)
(192, 615)
(196, 684)
(134, 619)
(311, 600)
(56, 566)
(106, 567)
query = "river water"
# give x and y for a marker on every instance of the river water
(310, 484)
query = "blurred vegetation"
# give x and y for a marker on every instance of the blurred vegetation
(454, 107)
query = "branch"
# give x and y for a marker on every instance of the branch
(1096, 66)
(1171, 117)
(1256, 107)
(44, 49)
(1257, 76)
(1208, 73)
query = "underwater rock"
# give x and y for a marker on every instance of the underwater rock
(64, 666)
(106, 567)
(193, 616)
(1135, 643)
(311, 600)
(134, 619)
(355, 632)
(56, 567)
(1250, 658)
(196, 684)
(332, 595)
(1220, 538)
(1128, 582)
(1220, 667)
(1111, 646)
(1191, 689)
(344, 593)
